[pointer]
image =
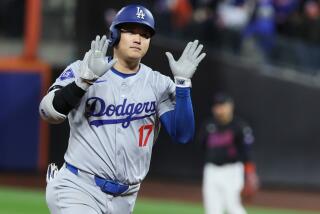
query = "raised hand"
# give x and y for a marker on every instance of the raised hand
(94, 64)
(97, 61)
(185, 67)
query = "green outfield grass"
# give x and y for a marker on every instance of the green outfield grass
(23, 201)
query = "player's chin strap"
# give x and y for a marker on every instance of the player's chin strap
(182, 82)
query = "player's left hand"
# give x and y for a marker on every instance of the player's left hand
(185, 67)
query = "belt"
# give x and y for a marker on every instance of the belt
(108, 186)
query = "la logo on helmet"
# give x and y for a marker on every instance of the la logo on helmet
(140, 14)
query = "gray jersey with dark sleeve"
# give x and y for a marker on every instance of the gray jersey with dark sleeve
(114, 127)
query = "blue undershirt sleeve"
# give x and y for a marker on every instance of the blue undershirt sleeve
(179, 122)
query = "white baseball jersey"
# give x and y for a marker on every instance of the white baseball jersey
(114, 127)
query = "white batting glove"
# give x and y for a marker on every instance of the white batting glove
(94, 63)
(97, 59)
(184, 68)
(51, 172)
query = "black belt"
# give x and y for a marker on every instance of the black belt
(107, 186)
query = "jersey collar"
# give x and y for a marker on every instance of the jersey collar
(123, 75)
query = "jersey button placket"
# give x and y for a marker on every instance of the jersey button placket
(119, 131)
(119, 156)
(123, 88)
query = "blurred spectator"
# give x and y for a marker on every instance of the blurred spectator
(221, 22)
(262, 27)
(281, 32)
(232, 18)
(229, 168)
(285, 10)
(182, 13)
(203, 25)
(173, 14)
(163, 16)
(233, 14)
(308, 30)
(310, 26)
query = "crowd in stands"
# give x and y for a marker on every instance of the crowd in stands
(285, 32)
(281, 32)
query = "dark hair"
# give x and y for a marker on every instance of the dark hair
(221, 98)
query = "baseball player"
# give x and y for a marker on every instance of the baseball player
(115, 107)
(229, 167)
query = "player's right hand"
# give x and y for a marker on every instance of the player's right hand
(97, 61)
(94, 64)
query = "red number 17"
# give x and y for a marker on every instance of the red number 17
(142, 129)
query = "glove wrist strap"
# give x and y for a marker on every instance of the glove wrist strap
(182, 82)
(82, 83)
(87, 77)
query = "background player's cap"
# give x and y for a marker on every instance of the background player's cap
(132, 13)
(221, 97)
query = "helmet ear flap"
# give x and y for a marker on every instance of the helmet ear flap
(114, 36)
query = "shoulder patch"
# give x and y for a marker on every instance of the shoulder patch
(67, 74)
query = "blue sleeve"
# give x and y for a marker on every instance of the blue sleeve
(179, 122)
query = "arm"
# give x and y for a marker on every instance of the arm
(246, 140)
(251, 184)
(179, 123)
(60, 101)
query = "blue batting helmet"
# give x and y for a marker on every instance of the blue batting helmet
(132, 13)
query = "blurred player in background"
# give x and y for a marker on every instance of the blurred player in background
(229, 169)
(115, 106)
